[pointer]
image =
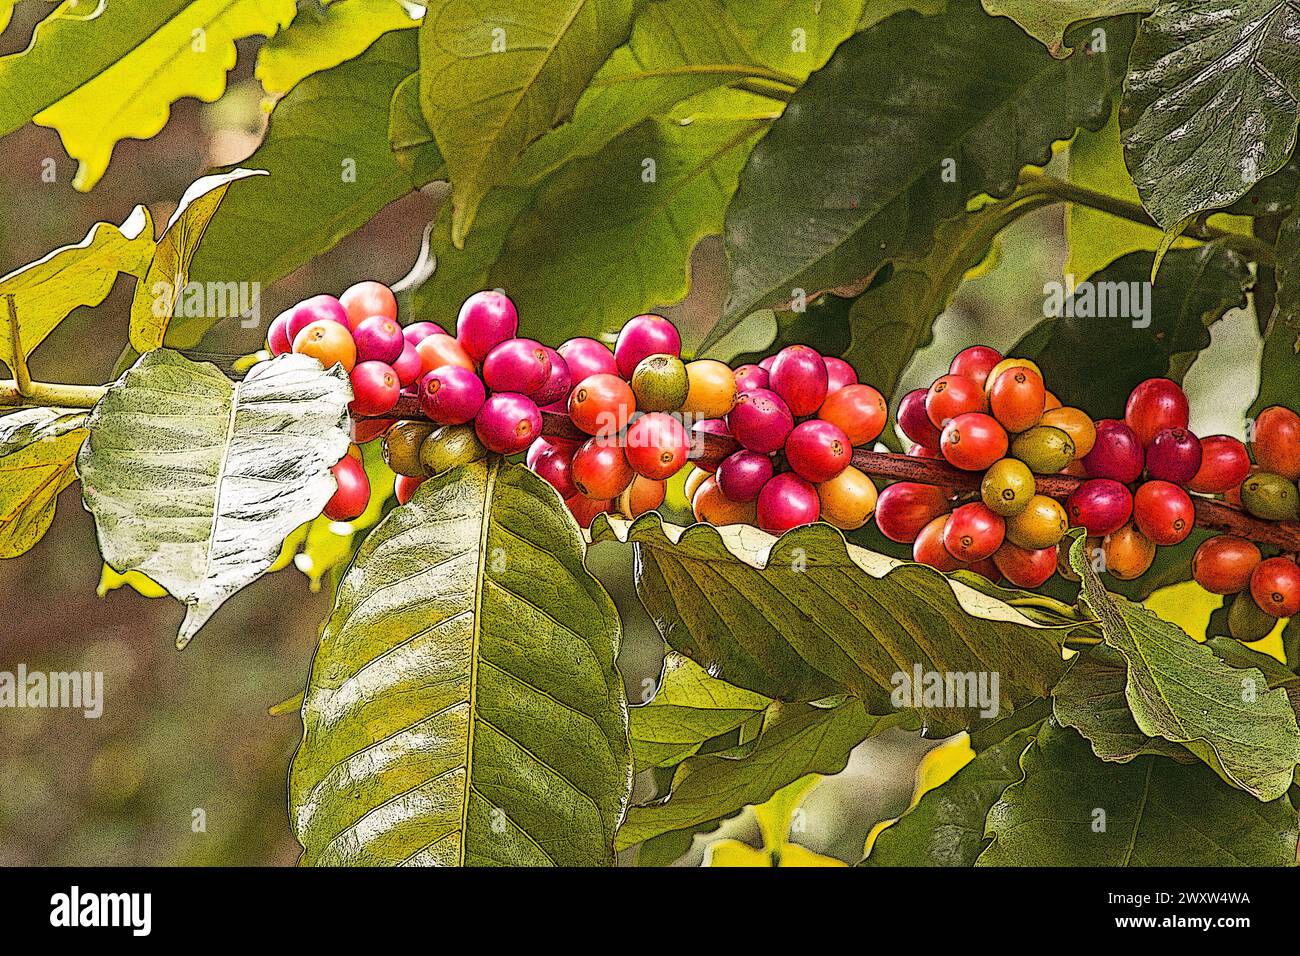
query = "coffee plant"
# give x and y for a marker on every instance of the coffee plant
(826, 555)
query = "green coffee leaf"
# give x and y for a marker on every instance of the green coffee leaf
(38, 451)
(1047, 22)
(463, 707)
(1072, 809)
(195, 480)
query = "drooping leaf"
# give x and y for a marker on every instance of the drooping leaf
(163, 285)
(946, 827)
(1072, 809)
(1179, 690)
(1118, 329)
(432, 733)
(320, 38)
(970, 97)
(38, 451)
(1209, 102)
(330, 168)
(195, 480)
(47, 290)
(806, 616)
(1047, 22)
(496, 75)
(409, 135)
(188, 55)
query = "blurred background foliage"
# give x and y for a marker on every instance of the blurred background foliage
(191, 732)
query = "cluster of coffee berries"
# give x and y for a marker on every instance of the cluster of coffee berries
(1266, 588)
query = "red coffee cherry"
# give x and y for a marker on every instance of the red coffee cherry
(818, 450)
(517, 365)
(973, 441)
(975, 363)
(404, 487)
(749, 377)
(1155, 405)
(1163, 512)
(760, 420)
(587, 357)
(915, 422)
(839, 374)
(352, 491)
(1224, 465)
(974, 532)
(1099, 506)
(643, 336)
(451, 395)
(585, 509)
(1115, 454)
(657, 446)
(905, 507)
(601, 404)
(930, 549)
(378, 339)
(1275, 586)
(1174, 455)
(369, 298)
(375, 388)
(1224, 564)
(711, 505)
(859, 410)
(786, 502)
(799, 376)
(742, 475)
(508, 423)
(1276, 441)
(1023, 567)
(600, 469)
(950, 396)
(486, 320)
(1018, 398)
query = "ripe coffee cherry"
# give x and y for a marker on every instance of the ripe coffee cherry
(1041, 525)
(402, 445)
(451, 395)
(914, 421)
(508, 422)
(644, 494)
(973, 441)
(555, 393)
(1223, 564)
(950, 396)
(368, 429)
(449, 447)
(642, 336)
(277, 336)
(1247, 622)
(760, 420)
(315, 309)
(766, 363)
(928, 548)
(1043, 448)
(1163, 512)
(699, 434)
(1276, 441)
(517, 365)
(973, 532)
(1275, 586)
(839, 374)
(417, 332)
(660, 383)
(375, 388)
(750, 377)
(799, 376)
(1269, 496)
(786, 502)
(1100, 506)
(379, 339)
(711, 505)
(1017, 399)
(585, 509)
(364, 299)
(1116, 454)
(742, 474)
(352, 492)
(486, 319)
(409, 367)
(1153, 406)
(1075, 423)
(1173, 455)
(711, 389)
(1224, 465)
(859, 411)
(848, 499)
(1006, 365)
(404, 487)
(1025, 568)
(975, 363)
(437, 350)
(1007, 487)
(818, 450)
(328, 343)
(601, 404)
(601, 469)
(657, 446)
(905, 507)
(1128, 553)
(587, 357)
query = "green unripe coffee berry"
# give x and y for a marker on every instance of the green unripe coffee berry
(660, 383)
(1247, 622)
(1044, 448)
(402, 447)
(1007, 487)
(450, 446)
(1269, 496)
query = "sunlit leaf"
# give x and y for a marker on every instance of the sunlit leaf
(38, 451)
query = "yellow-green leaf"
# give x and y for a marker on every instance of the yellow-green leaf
(38, 453)
(142, 584)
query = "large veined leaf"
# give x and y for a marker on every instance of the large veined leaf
(1209, 102)
(463, 706)
(38, 451)
(1279, 365)
(409, 135)
(864, 161)
(797, 739)
(946, 826)
(799, 36)
(188, 55)
(1118, 329)
(1072, 809)
(195, 480)
(806, 616)
(320, 38)
(47, 290)
(164, 284)
(497, 74)
(331, 171)
(1179, 690)
(1047, 22)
